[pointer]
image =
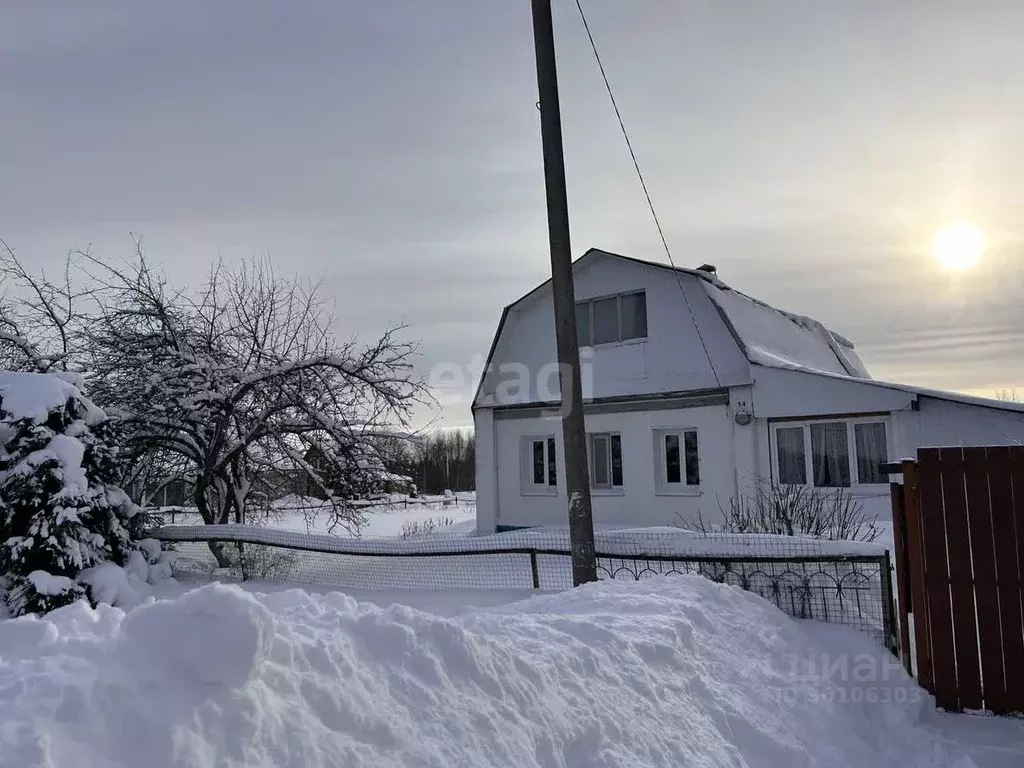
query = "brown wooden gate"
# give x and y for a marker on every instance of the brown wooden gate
(958, 524)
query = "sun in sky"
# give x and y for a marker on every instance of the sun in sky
(958, 245)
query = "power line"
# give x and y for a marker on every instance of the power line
(625, 134)
(643, 184)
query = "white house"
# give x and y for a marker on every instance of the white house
(693, 393)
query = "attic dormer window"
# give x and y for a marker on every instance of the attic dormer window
(611, 319)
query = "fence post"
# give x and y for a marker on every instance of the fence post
(916, 567)
(533, 569)
(242, 563)
(899, 535)
(889, 617)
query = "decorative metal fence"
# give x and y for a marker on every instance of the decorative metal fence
(835, 582)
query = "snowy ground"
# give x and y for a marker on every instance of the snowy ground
(677, 671)
(383, 519)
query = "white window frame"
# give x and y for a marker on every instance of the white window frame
(851, 439)
(608, 489)
(618, 308)
(662, 486)
(527, 486)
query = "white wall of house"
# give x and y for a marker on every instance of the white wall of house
(787, 393)
(671, 359)
(639, 502)
(486, 471)
(939, 422)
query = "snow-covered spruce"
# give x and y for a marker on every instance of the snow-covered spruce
(60, 510)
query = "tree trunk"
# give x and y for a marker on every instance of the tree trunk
(203, 505)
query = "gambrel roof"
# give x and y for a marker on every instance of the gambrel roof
(765, 336)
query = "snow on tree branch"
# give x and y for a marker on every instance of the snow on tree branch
(240, 390)
(244, 382)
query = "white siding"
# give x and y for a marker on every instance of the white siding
(486, 471)
(939, 423)
(637, 504)
(746, 448)
(671, 359)
(779, 393)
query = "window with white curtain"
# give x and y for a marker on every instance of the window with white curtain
(872, 452)
(830, 453)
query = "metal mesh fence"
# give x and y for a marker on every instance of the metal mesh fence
(840, 582)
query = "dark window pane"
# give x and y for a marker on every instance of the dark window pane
(599, 460)
(616, 460)
(871, 452)
(830, 455)
(583, 323)
(634, 316)
(692, 464)
(552, 464)
(538, 462)
(606, 320)
(792, 463)
(673, 470)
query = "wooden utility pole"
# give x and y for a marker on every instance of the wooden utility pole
(574, 436)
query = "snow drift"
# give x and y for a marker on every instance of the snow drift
(676, 671)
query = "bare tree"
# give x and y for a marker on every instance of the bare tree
(229, 391)
(241, 383)
(792, 510)
(37, 316)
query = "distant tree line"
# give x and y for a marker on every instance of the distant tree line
(436, 462)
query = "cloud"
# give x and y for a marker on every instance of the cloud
(394, 148)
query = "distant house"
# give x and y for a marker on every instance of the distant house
(392, 482)
(694, 393)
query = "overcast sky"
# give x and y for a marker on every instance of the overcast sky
(809, 149)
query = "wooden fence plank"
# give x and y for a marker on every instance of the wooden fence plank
(961, 580)
(899, 524)
(1011, 585)
(940, 618)
(983, 557)
(915, 564)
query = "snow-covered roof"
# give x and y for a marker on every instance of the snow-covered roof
(779, 339)
(935, 394)
(770, 336)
